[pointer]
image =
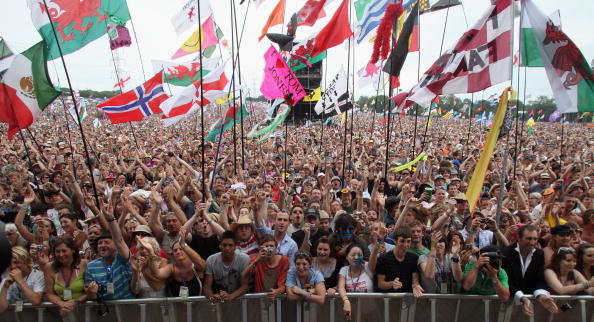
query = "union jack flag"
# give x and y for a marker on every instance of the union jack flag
(134, 105)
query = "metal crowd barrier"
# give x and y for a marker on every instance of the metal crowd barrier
(376, 307)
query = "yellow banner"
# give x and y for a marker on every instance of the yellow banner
(475, 186)
(315, 95)
(409, 165)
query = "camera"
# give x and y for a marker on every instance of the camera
(269, 251)
(312, 227)
(494, 259)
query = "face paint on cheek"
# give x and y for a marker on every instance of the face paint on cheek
(359, 261)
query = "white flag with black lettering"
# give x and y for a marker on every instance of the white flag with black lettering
(335, 98)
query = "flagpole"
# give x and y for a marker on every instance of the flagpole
(229, 92)
(380, 81)
(445, 25)
(346, 113)
(233, 89)
(203, 170)
(353, 83)
(516, 152)
(28, 156)
(36, 144)
(562, 140)
(82, 133)
(506, 152)
(469, 121)
(240, 91)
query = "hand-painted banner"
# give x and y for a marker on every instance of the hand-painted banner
(279, 80)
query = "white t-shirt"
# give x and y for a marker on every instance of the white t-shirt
(36, 282)
(360, 284)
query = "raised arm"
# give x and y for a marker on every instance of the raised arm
(118, 240)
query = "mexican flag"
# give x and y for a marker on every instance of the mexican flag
(77, 23)
(25, 88)
(530, 55)
(227, 122)
(568, 71)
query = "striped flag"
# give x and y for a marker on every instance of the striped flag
(371, 18)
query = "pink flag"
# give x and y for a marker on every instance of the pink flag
(279, 80)
(192, 45)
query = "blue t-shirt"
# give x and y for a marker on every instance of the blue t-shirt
(315, 277)
(119, 273)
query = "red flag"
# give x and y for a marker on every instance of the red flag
(312, 11)
(277, 17)
(539, 112)
(394, 81)
(335, 32)
(480, 109)
(133, 105)
(531, 113)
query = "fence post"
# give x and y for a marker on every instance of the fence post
(487, 315)
(386, 309)
(432, 309)
(142, 312)
(332, 304)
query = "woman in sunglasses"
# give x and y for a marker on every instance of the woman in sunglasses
(562, 277)
(305, 283)
(144, 283)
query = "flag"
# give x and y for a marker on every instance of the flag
(335, 32)
(6, 57)
(475, 186)
(335, 99)
(555, 116)
(568, 71)
(279, 81)
(360, 7)
(540, 111)
(412, 13)
(311, 11)
(233, 115)
(530, 54)
(77, 23)
(122, 82)
(119, 36)
(531, 113)
(184, 74)
(480, 59)
(82, 110)
(436, 5)
(278, 120)
(398, 55)
(303, 48)
(134, 105)
(184, 101)
(211, 34)
(369, 74)
(26, 87)
(584, 115)
(187, 17)
(370, 19)
(97, 123)
(277, 17)
(315, 95)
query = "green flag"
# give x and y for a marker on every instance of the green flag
(296, 65)
(76, 23)
(227, 123)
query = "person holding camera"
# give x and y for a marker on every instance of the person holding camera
(309, 235)
(268, 269)
(441, 267)
(484, 275)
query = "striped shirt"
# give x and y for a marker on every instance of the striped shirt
(249, 247)
(119, 273)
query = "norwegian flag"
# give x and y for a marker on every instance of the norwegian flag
(481, 58)
(134, 105)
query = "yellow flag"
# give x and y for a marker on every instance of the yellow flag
(315, 95)
(475, 185)
(224, 99)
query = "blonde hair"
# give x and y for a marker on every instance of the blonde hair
(153, 242)
(22, 256)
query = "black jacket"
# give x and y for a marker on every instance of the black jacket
(532, 280)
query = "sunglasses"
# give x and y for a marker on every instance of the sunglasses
(297, 211)
(143, 234)
(565, 249)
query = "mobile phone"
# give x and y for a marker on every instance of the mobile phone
(468, 246)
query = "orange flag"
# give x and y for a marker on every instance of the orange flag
(277, 17)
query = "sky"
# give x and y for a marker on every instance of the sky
(153, 38)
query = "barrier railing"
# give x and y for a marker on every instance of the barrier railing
(378, 307)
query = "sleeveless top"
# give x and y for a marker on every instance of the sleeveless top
(194, 285)
(147, 291)
(77, 286)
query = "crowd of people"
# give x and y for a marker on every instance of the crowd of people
(293, 216)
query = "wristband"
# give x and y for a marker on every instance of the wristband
(455, 260)
(26, 208)
(586, 285)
